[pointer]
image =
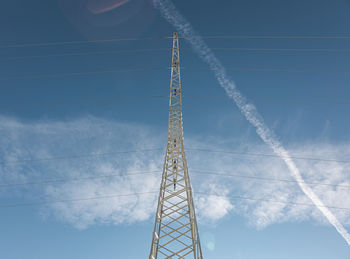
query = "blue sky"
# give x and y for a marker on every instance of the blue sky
(62, 116)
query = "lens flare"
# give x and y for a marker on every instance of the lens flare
(97, 7)
(208, 240)
(108, 19)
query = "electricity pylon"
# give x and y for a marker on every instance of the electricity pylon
(175, 232)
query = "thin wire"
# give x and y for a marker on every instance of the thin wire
(154, 149)
(196, 171)
(270, 99)
(243, 69)
(75, 200)
(168, 49)
(289, 70)
(138, 98)
(153, 192)
(80, 156)
(117, 99)
(82, 73)
(267, 155)
(86, 53)
(257, 69)
(264, 178)
(58, 43)
(283, 49)
(270, 37)
(268, 200)
(77, 179)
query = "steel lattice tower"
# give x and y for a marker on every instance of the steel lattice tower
(175, 232)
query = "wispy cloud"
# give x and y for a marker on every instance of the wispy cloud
(171, 14)
(45, 139)
(215, 204)
(72, 140)
(273, 201)
(22, 140)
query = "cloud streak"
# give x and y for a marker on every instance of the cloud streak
(171, 14)
(24, 144)
(22, 140)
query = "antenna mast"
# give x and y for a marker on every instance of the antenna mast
(175, 232)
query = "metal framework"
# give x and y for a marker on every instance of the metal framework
(175, 232)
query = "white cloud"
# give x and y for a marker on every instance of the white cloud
(248, 109)
(212, 202)
(45, 139)
(29, 140)
(263, 213)
(213, 207)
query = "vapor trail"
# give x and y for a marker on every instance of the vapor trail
(170, 13)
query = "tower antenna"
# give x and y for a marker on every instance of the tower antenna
(175, 232)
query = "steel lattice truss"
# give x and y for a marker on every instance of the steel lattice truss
(175, 232)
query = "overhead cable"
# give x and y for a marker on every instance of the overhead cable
(85, 53)
(195, 171)
(167, 49)
(243, 69)
(225, 174)
(275, 201)
(156, 149)
(165, 97)
(267, 155)
(257, 36)
(153, 192)
(60, 43)
(80, 156)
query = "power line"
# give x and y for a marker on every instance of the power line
(258, 69)
(267, 155)
(269, 100)
(167, 49)
(243, 69)
(288, 70)
(85, 53)
(155, 149)
(74, 200)
(153, 192)
(59, 43)
(81, 73)
(270, 37)
(95, 101)
(165, 97)
(81, 156)
(265, 178)
(77, 179)
(275, 201)
(283, 49)
(196, 171)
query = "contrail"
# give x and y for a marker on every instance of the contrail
(170, 13)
